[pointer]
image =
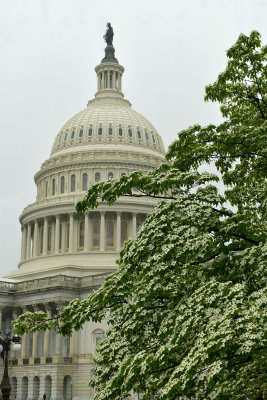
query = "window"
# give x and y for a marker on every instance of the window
(139, 135)
(153, 138)
(97, 176)
(72, 134)
(72, 183)
(68, 235)
(124, 231)
(62, 184)
(147, 138)
(46, 189)
(49, 239)
(96, 233)
(130, 133)
(110, 131)
(41, 240)
(123, 174)
(120, 132)
(110, 79)
(53, 187)
(99, 131)
(60, 237)
(110, 175)
(84, 181)
(90, 132)
(110, 233)
(138, 225)
(66, 137)
(81, 133)
(81, 234)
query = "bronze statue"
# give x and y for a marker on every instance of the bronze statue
(109, 34)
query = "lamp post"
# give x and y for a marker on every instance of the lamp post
(5, 344)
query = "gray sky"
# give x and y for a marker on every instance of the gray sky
(170, 50)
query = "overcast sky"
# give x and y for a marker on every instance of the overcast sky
(170, 50)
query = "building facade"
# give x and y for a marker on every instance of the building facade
(65, 256)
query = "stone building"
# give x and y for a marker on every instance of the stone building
(64, 256)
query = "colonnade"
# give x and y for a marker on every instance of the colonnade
(109, 79)
(62, 233)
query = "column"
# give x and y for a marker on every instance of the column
(74, 353)
(134, 226)
(52, 237)
(119, 77)
(23, 242)
(118, 235)
(98, 81)
(35, 239)
(86, 232)
(57, 235)
(24, 346)
(1, 316)
(71, 233)
(46, 343)
(35, 344)
(63, 238)
(102, 231)
(29, 233)
(14, 317)
(45, 236)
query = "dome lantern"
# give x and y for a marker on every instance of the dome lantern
(109, 72)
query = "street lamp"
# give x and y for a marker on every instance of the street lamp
(5, 344)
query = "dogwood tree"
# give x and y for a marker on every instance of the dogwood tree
(186, 308)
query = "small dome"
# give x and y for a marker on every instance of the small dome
(111, 121)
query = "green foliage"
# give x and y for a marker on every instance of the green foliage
(187, 307)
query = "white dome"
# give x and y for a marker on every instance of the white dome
(107, 120)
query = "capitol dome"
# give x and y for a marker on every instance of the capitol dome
(106, 140)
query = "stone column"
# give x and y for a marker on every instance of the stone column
(52, 237)
(118, 229)
(45, 236)
(134, 226)
(24, 346)
(46, 351)
(102, 231)
(1, 316)
(29, 233)
(35, 239)
(63, 238)
(57, 235)
(86, 232)
(23, 242)
(71, 233)
(74, 352)
(35, 344)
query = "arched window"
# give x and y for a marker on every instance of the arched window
(62, 184)
(130, 133)
(81, 133)
(72, 183)
(147, 138)
(139, 135)
(96, 233)
(90, 132)
(124, 231)
(72, 134)
(110, 131)
(120, 132)
(99, 131)
(97, 176)
(81, 234)
(85, 179)
(110, 175)
(153, 138)
(110, 79)
(53, 187)
(123, 174)
(110, 233)
(66, 137)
